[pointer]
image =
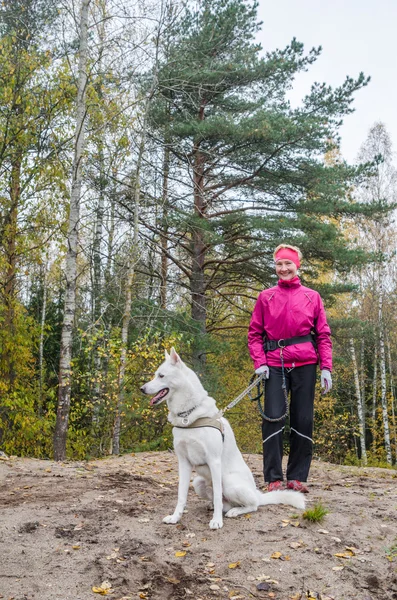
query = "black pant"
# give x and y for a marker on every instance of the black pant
(300, 383)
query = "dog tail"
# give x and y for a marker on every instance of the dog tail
(295, 499)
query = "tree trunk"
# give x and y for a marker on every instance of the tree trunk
(383, 383)
(97, 291)
(41, 344)
(164, 242)
(360, 405)
(199, 309)
(65, 374)
(130, 276)
(392, 399)
(374, 395)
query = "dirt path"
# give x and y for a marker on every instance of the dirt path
(68, 528)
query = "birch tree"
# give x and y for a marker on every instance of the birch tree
(133, 253)
(65, 371)
(378, 235)
(360, 403)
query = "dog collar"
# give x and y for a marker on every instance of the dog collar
(185, 414)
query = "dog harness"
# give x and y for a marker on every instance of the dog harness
(205, 422)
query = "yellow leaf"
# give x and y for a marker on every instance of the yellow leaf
(276, 555)
(179, 554)
(234, 565)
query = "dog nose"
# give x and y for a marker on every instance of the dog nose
(143, 389)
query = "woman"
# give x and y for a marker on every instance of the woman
(288, 335)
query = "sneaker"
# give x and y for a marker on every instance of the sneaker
(297, 486)
(275, 486)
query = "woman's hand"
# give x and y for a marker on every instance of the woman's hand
(263, 369)
(326, 380)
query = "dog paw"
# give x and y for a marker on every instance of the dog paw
(216, 523)
(233, 512)
(170, 519)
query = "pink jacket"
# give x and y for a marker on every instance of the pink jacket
(287, 310)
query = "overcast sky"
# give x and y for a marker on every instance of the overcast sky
(356, 35)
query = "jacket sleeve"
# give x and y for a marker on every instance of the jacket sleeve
(324, 342)
(255, 335)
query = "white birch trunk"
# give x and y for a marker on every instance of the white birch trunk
(382, 358)
(360, 406)
(392, 399)
(374, 397)
(97, 294)
(130, 278)
(65, 374)
(375, 385)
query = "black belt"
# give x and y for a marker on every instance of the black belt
(269, 345)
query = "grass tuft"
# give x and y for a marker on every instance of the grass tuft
(315, 514)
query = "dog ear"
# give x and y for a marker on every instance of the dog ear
(174, 357)
(166, 354)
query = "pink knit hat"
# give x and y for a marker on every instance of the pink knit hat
(288, 254)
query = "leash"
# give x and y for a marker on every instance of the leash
(258, 382)
(255, 382)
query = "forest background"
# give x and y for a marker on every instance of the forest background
(149, 164)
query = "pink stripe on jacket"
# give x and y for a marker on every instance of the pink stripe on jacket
(287, 310)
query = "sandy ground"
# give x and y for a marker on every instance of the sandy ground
(69, 529)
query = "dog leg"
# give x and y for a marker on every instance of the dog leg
(240, 510)
(185, 471)
(216, 475)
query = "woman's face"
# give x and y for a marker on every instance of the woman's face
(286, 269)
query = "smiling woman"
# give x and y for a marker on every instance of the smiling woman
(287, 337)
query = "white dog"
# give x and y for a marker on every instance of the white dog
(223, 476)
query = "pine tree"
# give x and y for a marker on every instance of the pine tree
(250, 168)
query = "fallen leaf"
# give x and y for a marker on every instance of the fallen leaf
(104, 589)
(234, 565)
(276, 555)
(295, 545)
(172, 580)
(180, 553)
(347, 554)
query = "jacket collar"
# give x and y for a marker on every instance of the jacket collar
(290, 284)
